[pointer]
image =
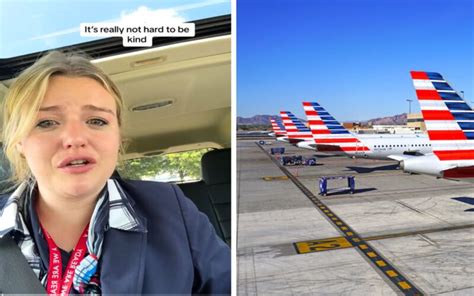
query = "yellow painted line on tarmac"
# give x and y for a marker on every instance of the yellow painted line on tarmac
(322, 245)
(271, 178)
(381, 263)
(391, 273)
(371, 254)
(342, 243)
(404, 285)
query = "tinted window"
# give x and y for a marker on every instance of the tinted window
(173, 167)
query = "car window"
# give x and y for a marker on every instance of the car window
(58, 23)
(5, 173)
(178, 167)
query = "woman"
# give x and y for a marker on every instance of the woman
(81, 231)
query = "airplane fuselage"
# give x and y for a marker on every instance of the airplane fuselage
(384, 147)
(379, 146)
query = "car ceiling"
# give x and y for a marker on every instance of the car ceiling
(194, 76)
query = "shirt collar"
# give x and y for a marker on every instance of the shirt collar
(121, 213)
(122, 216)
(10, 220)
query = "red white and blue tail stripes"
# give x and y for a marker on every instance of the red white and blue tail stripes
(328, 132)
(295, 129)
(278, 128)
(449, 119)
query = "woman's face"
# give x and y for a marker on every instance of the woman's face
(73, 148)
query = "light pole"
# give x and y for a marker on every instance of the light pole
(409, 105)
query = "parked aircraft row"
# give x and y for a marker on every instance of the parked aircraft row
(447, 150)
(326, 134)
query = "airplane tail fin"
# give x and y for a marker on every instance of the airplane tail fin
(295, 129)
(278, 128)
(328, 132)
(449, 119)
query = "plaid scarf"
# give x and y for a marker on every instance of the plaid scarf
(113, 209)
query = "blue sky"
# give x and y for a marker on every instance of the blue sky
(32, 25)
(353, 57)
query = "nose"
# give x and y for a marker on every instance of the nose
(74, 135)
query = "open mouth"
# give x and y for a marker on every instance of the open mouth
(77, 163)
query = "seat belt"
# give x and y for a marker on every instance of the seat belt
(16, 275)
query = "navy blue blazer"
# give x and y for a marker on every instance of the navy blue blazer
(180, 253)
(177, 253)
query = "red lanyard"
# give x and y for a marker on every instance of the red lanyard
(57, 284)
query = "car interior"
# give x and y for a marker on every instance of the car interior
(178, 98)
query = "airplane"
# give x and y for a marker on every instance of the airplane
(330, 136)
(450, 124)
(296, 130)
(279, 131)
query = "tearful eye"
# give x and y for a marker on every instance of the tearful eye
(97, 122)
(46, 123)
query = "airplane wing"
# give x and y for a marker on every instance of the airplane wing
(406, 155)
(400, 157)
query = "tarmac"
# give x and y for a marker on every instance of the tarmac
(397, 234)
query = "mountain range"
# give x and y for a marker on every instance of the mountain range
(399, 119)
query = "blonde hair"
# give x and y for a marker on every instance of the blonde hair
(26, 94)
